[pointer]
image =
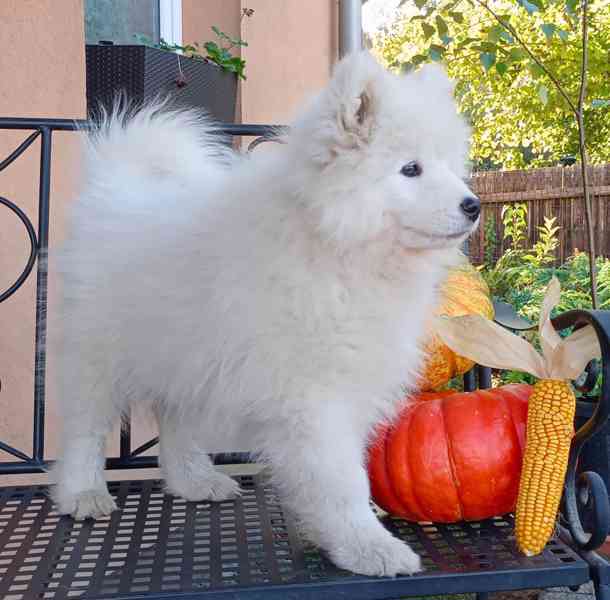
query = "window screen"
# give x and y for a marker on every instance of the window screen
(119, 20)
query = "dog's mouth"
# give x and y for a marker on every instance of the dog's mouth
(438, 237)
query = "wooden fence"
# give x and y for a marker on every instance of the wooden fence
(551, 192)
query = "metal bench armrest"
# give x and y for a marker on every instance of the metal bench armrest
(586, 496)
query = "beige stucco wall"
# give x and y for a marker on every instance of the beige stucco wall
(198, 17)
(292, 46)
(42, 74)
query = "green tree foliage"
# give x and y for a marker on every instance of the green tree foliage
(518, 115)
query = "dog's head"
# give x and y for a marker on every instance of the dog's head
(386, 155)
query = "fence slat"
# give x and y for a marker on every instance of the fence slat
(551, 192)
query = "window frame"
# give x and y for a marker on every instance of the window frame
(170, 21)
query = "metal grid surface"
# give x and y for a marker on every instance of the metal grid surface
(163, 547)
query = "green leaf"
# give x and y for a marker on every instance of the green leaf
(487, 59)
(543, 94)
(505, 20)
(441, 26)
(571, 6)
(143, 39)
(212, 47)
(548, 29)
(467, 42)
(536, 70)
(418, 59)
(428, 30)
(436, 52)
(600, 103)
(507, 37)
(446, 39)
(487, 47)
(458, 17)
(420, 3)
(530, 7)
(216, 31)
(563, 34)
(495, 33)
(501, 68)
(518, 54)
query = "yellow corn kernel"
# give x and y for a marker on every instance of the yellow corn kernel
(550, 426)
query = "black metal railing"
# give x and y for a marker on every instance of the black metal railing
(39, 242)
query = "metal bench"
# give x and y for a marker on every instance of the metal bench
(158, 546)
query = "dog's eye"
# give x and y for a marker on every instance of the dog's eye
(411, 169)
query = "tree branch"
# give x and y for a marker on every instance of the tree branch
(580, 116)
(548, 73)
(578, 111)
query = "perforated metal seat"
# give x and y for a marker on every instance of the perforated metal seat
(245, 548)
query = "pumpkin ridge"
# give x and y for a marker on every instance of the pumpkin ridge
(512, 416)
(409, 454)
(452, 464)
(386, 468)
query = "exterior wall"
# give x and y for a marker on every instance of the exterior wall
(292, 46)
(198, 17)
(42, 68)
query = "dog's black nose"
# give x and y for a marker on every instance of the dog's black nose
(471, 207)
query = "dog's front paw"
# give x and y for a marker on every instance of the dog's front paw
(84, 505)
(380, 556)
(210, 485)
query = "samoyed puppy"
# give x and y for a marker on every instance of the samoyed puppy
(283, 291)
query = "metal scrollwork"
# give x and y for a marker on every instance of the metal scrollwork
(264, 138)
(33, 248)
(586, 383)
(586, 508)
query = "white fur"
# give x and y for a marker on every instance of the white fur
(285, 291)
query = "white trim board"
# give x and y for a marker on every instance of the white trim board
(170, 21)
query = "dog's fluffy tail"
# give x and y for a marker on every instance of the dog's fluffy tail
(147, 173)
(153, 143)
(144, 170)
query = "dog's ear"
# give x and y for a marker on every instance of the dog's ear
(357, 117)
(352, 91)
(343, 117)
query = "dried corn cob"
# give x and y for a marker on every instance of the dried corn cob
(549, 431)
(551, 406)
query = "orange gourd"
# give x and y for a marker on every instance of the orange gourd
(463, 293)
(452, 456)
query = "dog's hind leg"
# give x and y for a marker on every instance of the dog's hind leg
(186, 466)
(89, 413)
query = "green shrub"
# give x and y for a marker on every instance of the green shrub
(218, 52)
(521, 275)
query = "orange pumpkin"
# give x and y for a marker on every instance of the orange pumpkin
(452, 456)
(463, 293)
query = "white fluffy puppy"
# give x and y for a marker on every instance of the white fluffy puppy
(285, 290)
